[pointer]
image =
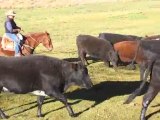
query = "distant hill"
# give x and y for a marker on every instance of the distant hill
(48, 3)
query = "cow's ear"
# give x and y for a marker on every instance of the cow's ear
(75, 66)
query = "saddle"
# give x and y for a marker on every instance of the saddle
(7, 43)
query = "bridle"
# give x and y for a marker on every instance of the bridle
(30, 47)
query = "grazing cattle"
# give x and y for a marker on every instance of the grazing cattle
(145, 51)
(49, 75)
(114, 38)
(96, 47)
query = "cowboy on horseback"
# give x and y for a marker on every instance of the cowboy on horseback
(11, 31)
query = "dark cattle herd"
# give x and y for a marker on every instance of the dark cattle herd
(49, 76)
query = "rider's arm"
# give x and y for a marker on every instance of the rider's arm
(9, 27)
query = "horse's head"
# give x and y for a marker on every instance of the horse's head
(46, 41)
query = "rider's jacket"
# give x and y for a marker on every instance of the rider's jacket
(10, 25)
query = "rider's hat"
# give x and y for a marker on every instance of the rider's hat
(11, 13)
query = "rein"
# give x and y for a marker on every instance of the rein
(33, 38)
(32, 48)
(28, 46)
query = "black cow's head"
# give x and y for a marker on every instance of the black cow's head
(79, 75)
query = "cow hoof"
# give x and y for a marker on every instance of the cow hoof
(40, 116)
(73, 115)
(4, 116)
(131, 67)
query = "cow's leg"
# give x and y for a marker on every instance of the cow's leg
(40, 100)
(3, 116)
(82, 56)
(85, 58)
(131, 66)
(148, 97)
(135, 93)
(59, 96)
(144, 72)
(107, 63)
(106, 60)
(145, 69)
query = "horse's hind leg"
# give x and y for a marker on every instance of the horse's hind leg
(147, 99)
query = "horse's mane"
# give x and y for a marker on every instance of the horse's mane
(36, 33)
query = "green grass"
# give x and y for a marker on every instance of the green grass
(105, 100)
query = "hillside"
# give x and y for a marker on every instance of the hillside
(49, 3)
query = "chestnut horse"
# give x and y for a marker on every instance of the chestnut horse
(30, 42)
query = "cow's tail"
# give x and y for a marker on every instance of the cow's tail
(143, 84)
(136, 53)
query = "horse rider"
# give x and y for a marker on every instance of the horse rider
(11, 31)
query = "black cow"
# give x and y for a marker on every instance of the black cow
(49, 75)
(114, 38)
(96, 47)
(153, 37)
(154, 88)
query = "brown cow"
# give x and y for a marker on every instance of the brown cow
(127, 50)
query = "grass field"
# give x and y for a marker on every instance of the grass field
(64, 22)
